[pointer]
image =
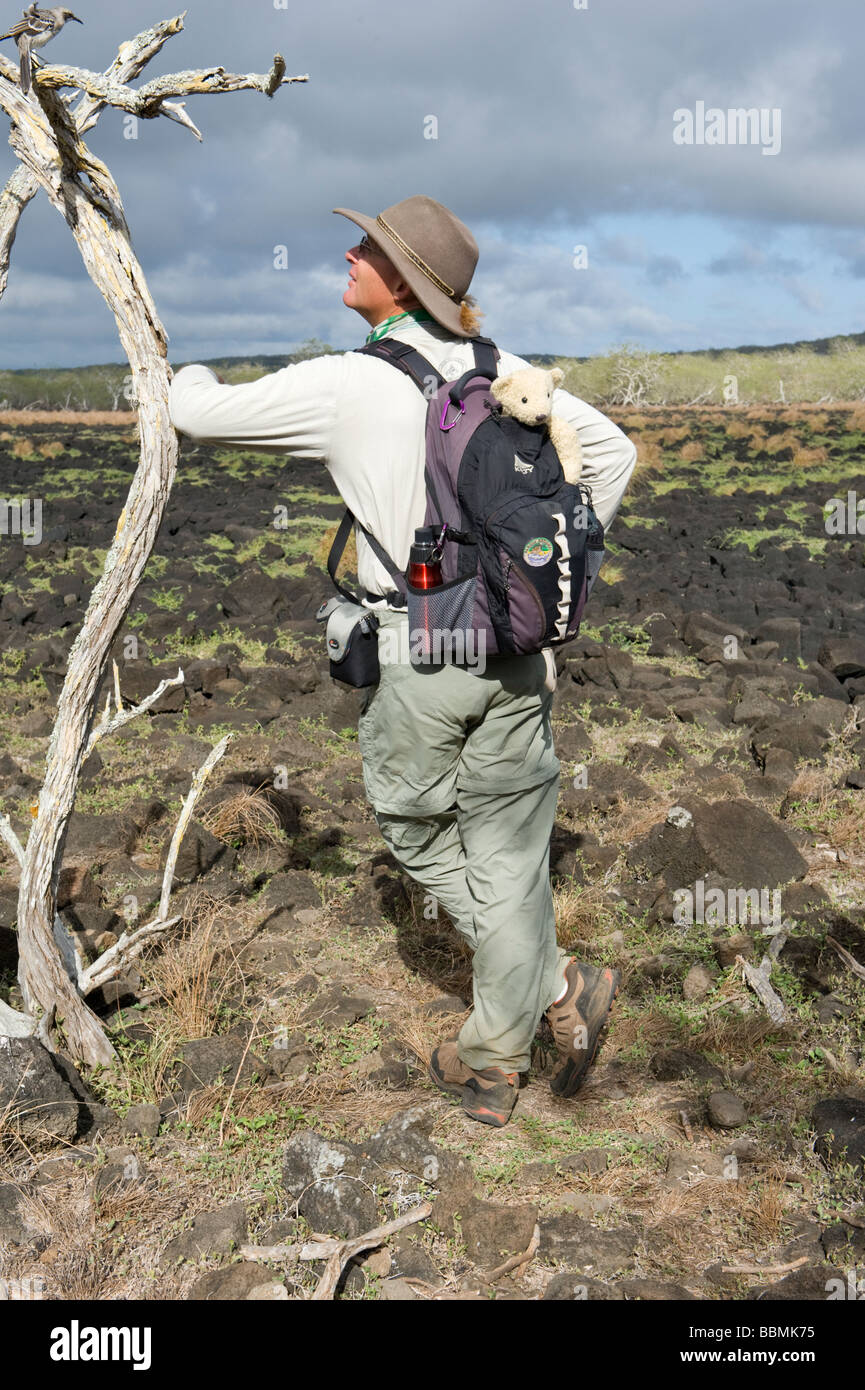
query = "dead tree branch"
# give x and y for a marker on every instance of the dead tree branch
(198, 782)
(46, 136)
(758, 979)
(517, 1261)
(132, 943)
(23, 185)
(337, 1252)
(850, 961)
(146, 101)
(109, 724)
(766, 1269)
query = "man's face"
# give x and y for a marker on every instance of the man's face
(373, 283)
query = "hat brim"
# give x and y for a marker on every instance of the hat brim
(444, 310)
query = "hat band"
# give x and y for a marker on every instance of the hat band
(415, 258)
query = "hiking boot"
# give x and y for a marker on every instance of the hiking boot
(578, 1020)
(489, 1095)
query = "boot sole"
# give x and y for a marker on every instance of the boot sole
(570, 1078)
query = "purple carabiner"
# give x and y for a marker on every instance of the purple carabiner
(442, 424)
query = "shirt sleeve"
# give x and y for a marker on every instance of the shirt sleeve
(608, 454)
(289, 411)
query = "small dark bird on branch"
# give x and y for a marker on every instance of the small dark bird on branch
(34, 31)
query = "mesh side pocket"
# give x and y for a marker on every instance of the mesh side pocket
(440, 622)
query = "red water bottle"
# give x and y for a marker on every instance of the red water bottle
(424, 574)
(424, 561)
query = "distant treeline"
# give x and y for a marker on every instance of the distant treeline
(824, 370)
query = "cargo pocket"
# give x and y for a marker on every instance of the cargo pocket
(440, 622)
(407, 832)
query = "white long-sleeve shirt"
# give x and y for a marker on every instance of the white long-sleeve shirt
(365, 420)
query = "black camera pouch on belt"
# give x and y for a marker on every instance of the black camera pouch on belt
(352, 642)
(352, 630)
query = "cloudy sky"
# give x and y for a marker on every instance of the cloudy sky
(555, 127)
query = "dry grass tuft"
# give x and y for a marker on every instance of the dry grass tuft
(22, 448)
(51, 448)
(764, 1213)
(634, 819)
(673, 435)
(649, 467)
(582, 914)
(827, 810)
(736, 1038)
(714, 1207)
(649, 1026)
(787, 439)
(73, 1270)
(422, 1031)
(196, 971)
(650, 457)
(737, 429)
(247, 816)
(693, 451)
(805, 458)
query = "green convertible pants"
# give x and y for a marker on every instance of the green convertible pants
(460, 770)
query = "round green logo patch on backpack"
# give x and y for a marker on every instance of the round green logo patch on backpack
(538, 551)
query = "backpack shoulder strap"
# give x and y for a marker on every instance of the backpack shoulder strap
(408, 359)
(486, 357)
(415, 365)
(396, 596)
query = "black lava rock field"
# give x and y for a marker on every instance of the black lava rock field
(271, 1051)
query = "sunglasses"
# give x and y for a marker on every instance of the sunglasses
(369, 247)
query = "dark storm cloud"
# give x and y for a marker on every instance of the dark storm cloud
(547, 119)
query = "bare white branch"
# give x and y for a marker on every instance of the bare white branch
(125, 949)
(146, 102)
(347, 1249)
(337, 1252)
(109, 725)
(192, 796)
(176, 111)
(759, 982)
(11, 839)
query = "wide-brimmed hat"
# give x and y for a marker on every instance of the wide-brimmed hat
(433, 251)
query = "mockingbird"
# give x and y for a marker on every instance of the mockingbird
(34, 31)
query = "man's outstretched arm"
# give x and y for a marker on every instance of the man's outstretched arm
(608, 454)
(290, 411)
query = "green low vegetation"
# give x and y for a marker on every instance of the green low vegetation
(822, 371)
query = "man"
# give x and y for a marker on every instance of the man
(458, 763)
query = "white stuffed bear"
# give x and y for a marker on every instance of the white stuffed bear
(527, 395)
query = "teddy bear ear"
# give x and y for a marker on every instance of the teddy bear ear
(498, 387)
(558, 376)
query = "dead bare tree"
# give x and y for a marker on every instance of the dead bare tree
(46, 135)
(636, 376)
